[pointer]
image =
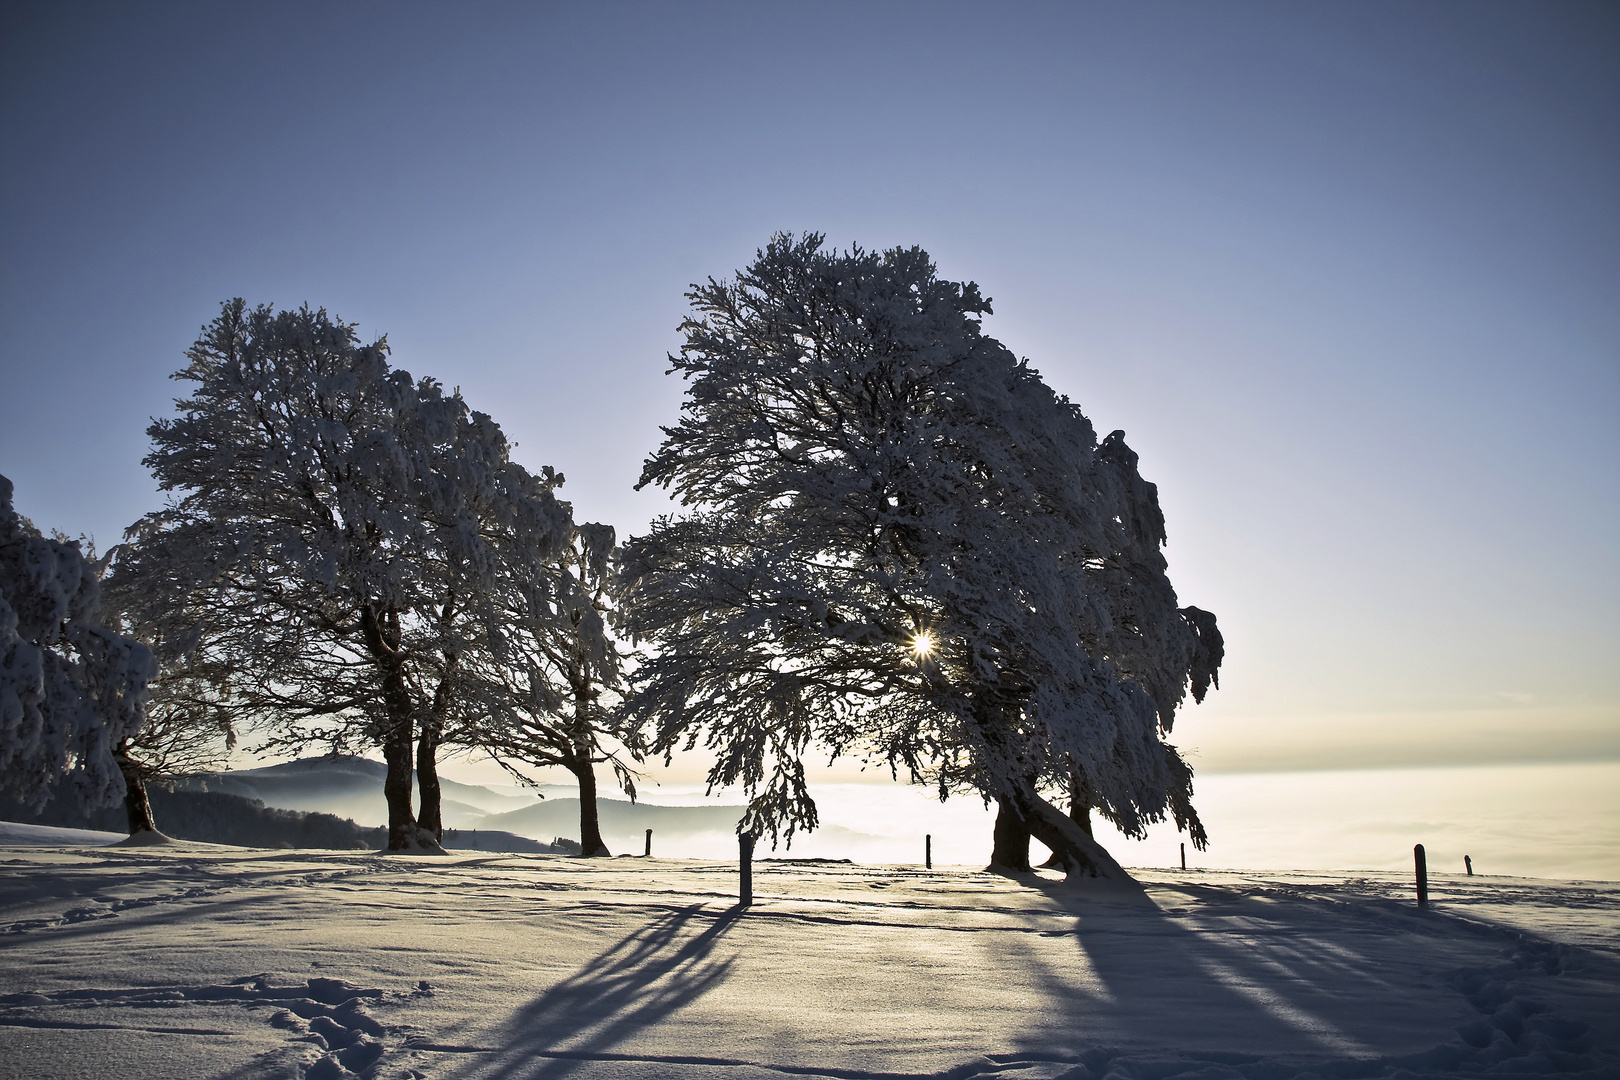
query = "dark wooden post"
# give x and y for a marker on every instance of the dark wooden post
(1422, 875)
(648, 852)
(928, 851)
(1184, 856)
(1469, 864)
(745, 868)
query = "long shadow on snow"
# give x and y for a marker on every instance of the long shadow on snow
(1161, 984)
(1292, 983)
(1289, 983)
(625, 990)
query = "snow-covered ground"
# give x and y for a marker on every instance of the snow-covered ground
(193, 960)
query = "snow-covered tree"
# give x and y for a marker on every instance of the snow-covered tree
(72, 689)
(902, 544)
(183, 735)
(559, 684)
(189, 727)
(336, 543)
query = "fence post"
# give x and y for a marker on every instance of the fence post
(1469, 863)
(1184, 856)
(648, 852)
(1422, 875)
(928, 851)
(745, 868)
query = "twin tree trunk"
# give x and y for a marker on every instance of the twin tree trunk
(1079, 811)
(1023, 814)
(382, 639)
(423, 830)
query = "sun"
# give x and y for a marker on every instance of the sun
(923, 644)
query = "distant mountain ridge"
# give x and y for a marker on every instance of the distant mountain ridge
(213, 817)
(348, 786)
(352, 787)
(229, 808)
(560, 817)
(336, 801)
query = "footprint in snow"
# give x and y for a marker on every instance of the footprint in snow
(333, 1016)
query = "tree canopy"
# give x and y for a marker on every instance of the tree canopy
(900, 543)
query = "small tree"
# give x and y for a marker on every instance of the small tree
(902, 545)
(559, 682)
(72, 689)
(188, 729)
(337, 542)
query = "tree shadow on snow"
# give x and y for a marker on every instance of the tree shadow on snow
(1238, 976)
(625, 990)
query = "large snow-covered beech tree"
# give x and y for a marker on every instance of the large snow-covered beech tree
(901, 544)
(557, 689)
(337, 543)
(72, 689)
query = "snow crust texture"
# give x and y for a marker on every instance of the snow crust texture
(202, 961)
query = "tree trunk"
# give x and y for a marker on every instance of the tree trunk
(402, 827)
(429, 812)
(1076, 854)
(590, 828)
(430, 798)
(1079, 812)
(1080, 801)
(1022, 814)
(1010, 841)
(382, 639)
(136, 804)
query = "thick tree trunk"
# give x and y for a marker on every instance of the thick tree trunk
(382, 639)
(429, 812)
(1010, 840)
(136, 804)
(1076, 854)
(1022, 814)
(402, 828)
(590, 828)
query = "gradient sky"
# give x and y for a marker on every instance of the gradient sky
(1348, 275)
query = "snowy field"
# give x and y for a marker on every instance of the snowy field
(200, 961)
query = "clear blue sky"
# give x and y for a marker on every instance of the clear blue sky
(1348, 275)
